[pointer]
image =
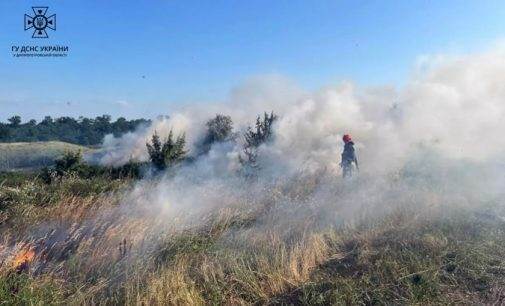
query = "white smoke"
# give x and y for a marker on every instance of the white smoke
(445, 126)
(455, 107)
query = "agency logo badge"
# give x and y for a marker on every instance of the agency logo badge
(40, 22)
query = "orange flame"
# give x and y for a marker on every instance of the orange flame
(23, 258)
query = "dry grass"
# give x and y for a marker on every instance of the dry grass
(91, 249)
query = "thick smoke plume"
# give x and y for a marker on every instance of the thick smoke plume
(455, 108)
(440, 132)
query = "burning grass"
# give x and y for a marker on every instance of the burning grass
(23, 258)
(87, 248)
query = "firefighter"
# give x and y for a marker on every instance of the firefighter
(349, 160)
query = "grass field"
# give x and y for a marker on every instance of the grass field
(85, 242)
(30, 155)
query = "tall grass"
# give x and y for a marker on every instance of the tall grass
(92, 249)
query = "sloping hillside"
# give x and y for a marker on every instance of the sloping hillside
(29, 155)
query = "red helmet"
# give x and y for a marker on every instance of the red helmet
(346, 138)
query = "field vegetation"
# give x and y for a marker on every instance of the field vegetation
(75, 233)
(86, 249)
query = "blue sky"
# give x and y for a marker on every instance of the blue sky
(196, 51)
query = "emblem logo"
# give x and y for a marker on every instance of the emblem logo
(39, 22)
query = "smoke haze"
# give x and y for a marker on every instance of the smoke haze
(454, 107)
(441, 134)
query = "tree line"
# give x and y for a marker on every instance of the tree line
(82, 131)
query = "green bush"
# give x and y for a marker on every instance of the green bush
(254, 137)
(167, 153)
(219, 129)
(71, 164)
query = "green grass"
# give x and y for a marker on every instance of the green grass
(456, 260)
(31, 155)
(23, 289)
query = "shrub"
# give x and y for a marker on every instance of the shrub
(132, 169)
(68, 162)
(168, 153)
(254, 137)
(219, 129)
(71, 164)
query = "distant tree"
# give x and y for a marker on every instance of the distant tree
(4, 131)
(219, 129)
(84, 131)
(120, 126)
(168, 153)
(66, 120)
(47, 120)
(254, 137)
(103, 123)
(14, 121)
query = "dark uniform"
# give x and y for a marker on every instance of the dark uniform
(348, 158)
